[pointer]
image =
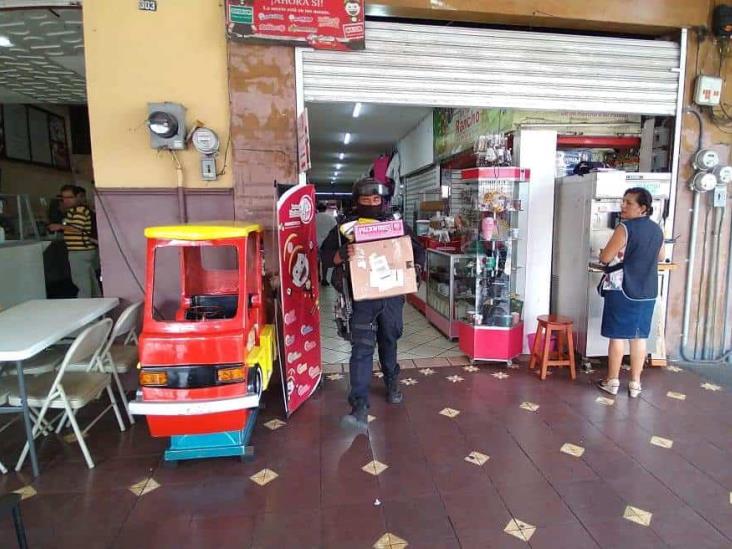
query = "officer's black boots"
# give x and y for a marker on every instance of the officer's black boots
(393, 394)
(358, 419)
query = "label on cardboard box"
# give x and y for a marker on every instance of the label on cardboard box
(379, 230)
(383, 268)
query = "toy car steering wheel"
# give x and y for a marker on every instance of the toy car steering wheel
(205, 312)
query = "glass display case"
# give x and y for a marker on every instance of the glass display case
(489, 314)
(445, 286)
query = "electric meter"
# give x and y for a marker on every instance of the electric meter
(205, 141)
(706, 159)
(703, 182)
(723, 174)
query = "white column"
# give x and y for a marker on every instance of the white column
(536, 151)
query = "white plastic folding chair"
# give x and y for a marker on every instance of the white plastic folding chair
(118, 358)
(4, 394)
(44, 362)
(71, 391)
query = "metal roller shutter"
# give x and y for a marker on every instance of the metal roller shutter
(467, 67)
(416, 185)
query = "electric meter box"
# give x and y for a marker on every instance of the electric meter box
(167, 125)
(708, 90)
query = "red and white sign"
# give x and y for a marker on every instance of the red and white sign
(298, 261)
(378, 231)
(320, 24)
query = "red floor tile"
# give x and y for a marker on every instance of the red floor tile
(419, 521)
(352, 525)
(296, 529)
(428, 495)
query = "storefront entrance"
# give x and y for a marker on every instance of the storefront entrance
(542, 102)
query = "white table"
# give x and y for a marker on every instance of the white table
(28, 328)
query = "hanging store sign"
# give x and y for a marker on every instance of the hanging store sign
(298, 267)
(319, 24)
(457, 130)
(303, 142)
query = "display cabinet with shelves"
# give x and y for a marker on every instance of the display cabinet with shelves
(489, 311)
(445, 282)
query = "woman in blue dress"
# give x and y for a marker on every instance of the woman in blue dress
(638, 243)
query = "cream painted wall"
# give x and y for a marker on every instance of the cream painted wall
(133, 57)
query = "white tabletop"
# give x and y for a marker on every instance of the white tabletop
(28, 328)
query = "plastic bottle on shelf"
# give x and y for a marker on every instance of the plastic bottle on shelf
(487, 226)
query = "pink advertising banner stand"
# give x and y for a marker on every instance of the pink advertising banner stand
(300, 360)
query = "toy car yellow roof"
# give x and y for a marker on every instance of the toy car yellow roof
(210, 230)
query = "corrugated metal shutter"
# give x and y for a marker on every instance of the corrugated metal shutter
(459, 197)
(467, 67)
(416, 186)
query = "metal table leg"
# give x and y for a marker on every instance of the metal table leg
(26, 418)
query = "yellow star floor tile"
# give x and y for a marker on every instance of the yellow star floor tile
(263, 477)
(144, 487)
(711, 387)
(675, 395)
(427, 371)
(71, 438)
(530, 406)
(605, 401)
(572, 450)
(454, 379)
(26, 492)
(274, 424)
(477, 458)
(500, 375)
(449, 412)
(390, 541)
(662, 442)
(639, 516)
(520, 529)
(375, 468)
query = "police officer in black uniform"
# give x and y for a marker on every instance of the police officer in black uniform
(375, 320)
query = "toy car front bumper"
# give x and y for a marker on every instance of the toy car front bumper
(141, 407)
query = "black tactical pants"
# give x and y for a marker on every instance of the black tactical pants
(374, 321)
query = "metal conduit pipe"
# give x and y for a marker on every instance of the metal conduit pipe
(687, 290)
(710, 322)
(728, 291)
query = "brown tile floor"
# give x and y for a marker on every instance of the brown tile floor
(518, 484)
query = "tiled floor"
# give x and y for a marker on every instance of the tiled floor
(471, 459)
(419, 341)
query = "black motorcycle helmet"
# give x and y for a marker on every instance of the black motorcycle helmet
(371, 187)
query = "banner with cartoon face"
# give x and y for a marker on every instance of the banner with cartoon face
(300, 331)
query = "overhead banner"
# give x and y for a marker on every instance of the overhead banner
(456, 130)
(300, 328)
(319, 24)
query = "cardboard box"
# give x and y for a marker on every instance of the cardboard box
(383, 268)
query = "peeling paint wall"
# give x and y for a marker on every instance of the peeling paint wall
(263, 129)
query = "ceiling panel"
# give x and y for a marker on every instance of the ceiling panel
(45, 63)
(377, 130)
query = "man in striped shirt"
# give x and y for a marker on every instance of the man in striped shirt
(77, 229)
